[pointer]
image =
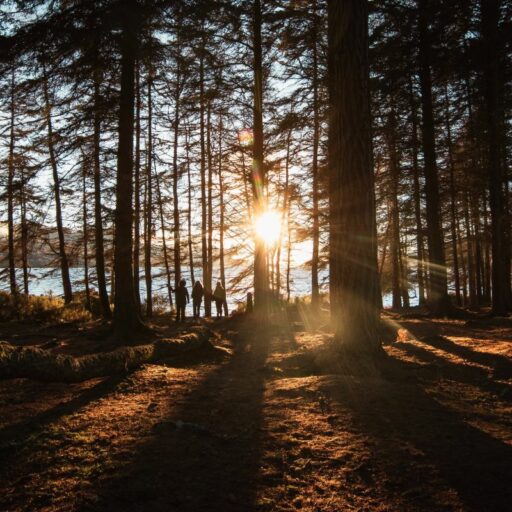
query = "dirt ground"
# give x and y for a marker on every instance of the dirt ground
(266, 422)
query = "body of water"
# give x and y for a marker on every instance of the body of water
(45, 281)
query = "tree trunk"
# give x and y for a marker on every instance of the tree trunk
(189, 216)
(490, 12)
(285, 211)
(508, 233)
(175, 176)
(164, 241)
(246, 188)
(477, 237)
(204, 245)
(487, 256)
(85, 229)
(353, 248)
(209, 258)
(471, 238)
(258, 174)
(148, 232)
(39, 364)
(453, 199)
(417, 199)
(471, 253)
(384, 249)
(394, 212)
(315, 290)
(10, 193)
(463, 265)
(127, 322)
(438, 299)
(98, 221)
(221, 216)
(404, 283)
(24, 234)
(136, 209)
(289, 252)
(64, 264)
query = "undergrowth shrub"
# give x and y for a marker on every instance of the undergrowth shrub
(94, 302)
(160, 305)
(41, 308)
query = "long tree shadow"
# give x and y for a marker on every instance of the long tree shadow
(501, 365)
(459, 372)
(398, 415)
(14, 438)
(205, 454)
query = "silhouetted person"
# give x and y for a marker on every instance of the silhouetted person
(250, 306)
(197, 298)
(219, 296)
(182, 299)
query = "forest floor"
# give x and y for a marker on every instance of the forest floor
(265, 421)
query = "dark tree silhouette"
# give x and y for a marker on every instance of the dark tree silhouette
(127, 322)
(490, 10)
(353, 250)
(437, 279)
(258, 172)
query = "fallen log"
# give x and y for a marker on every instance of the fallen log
(39, 364)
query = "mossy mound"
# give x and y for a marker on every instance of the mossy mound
(39, 364)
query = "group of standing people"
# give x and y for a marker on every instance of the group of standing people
(198, 293)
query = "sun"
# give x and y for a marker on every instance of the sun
(268, 227)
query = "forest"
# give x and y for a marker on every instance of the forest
(255, 255)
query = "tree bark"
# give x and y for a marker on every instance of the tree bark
(285, 213)
(404, 283)
(490, 12)
(222, 215)
(471, 237)
(189, 216)
(394, 212)
(24, 234)
(64, 263)
(175, 176)
(289, 251)
(148, 232)
(38, 364)
(477, 241)
(462, 264)
(164, 241)
(315, 290)
(204, 244)
(470, 242)
(10, 191)
(453, 199)
(222, 266)
(438, 299)
(508, 225)
(246, 187)
(353, 249)
(209, 257)
(417, 199)
(98, 221)
(85, 229)
(136, 209)
(487, 273)
(127, 322)
(258, 174)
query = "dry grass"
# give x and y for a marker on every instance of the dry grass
(266, 425)
(45, 309)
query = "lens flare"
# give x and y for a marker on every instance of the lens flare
(246, 137)
(268, 227)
